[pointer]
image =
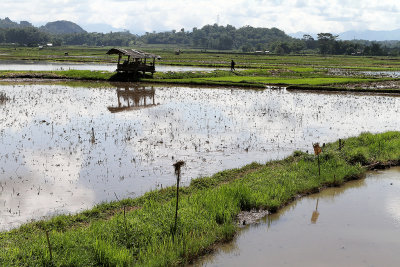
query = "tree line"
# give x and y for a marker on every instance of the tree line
(216, 37)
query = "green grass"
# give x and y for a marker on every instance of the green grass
(292, 81)
(65, 74)
(253, 70)
(207, 211)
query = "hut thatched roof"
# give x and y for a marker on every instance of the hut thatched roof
(132, 53)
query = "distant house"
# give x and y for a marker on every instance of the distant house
(136, 61)
(261, 52)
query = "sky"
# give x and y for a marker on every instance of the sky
(138, 16)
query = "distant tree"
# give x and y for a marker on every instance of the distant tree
(309, 41)
(57, 41)
(280, 48)
(2, 37)
(296, 46)
(326, 43)
(376, 49)
(260, 47)
(26, 36)
(199, 38)
(225, 42)
(367, 50)
(247, 48)
(350, 50)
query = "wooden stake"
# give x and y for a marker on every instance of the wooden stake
(319, 167)
(177, 167)
(48, 243)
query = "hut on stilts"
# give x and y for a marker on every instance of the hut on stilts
(137, 61)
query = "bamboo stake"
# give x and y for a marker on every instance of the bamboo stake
(48, 243)
(177, 167)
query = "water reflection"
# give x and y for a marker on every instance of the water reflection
(53, 132)
(328, 195)
(23, 65)
(359, 227)
(133, 97)
(315, 214)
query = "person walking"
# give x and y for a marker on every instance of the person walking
(232, 65)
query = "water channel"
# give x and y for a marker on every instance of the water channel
(65, 148)
(357, 224)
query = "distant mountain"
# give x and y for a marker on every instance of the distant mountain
(359, 35)
(8, 24)
(371, 35)
(102, 27)
(299, 35)
(62, 27)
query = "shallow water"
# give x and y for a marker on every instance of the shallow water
(51, 161)
(354, 225)
(388, 74)
(376, 74)
(53, 66)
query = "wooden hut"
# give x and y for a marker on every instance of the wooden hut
(136, 61)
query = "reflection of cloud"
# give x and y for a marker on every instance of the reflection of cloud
(43, 108)
(211, 129)
(50, 184)
(393, 208)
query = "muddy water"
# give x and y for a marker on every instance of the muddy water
(53, 66)
(64, 149)
(354, 225)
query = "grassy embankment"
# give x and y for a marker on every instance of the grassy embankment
(308, 78)
(138, 231)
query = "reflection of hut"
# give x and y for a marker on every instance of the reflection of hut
(136, 61)
(133, 98)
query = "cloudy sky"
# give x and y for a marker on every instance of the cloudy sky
(139, 16)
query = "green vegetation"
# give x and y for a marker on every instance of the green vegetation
(244, 39)
(138, 231)
(313, 72)
(65, 74)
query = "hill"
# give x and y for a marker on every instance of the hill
(62, 27)
(368, 35)
(371, 35)
(9, 24)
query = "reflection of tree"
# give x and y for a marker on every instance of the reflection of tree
(131, 97)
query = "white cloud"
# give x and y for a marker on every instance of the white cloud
(161, 15)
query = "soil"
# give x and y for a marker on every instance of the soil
(250, 217)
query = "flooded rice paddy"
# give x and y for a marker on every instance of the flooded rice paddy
(20, 65)
(354, 225)
(64, 149)
(375, 74)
